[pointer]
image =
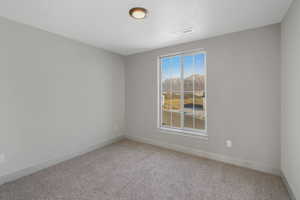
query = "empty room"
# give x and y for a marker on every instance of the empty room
(150, 100)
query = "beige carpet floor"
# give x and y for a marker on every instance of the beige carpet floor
(133, 171)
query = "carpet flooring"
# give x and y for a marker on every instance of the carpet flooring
(129, 170)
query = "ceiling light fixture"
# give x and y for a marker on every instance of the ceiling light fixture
(138, 12)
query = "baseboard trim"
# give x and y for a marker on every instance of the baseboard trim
(288, 187)
(213, 156)
(43, 165)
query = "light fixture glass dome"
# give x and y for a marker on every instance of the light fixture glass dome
(138, 13)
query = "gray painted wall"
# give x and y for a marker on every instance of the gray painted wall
(57, 96)
(243, 96)
(291, 97)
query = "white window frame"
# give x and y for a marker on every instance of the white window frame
(173, 130)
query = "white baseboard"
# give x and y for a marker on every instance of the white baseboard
(213, 156)
(287, 185)
(30, 170)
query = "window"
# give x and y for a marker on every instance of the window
(182, 93)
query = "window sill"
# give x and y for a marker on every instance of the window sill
(199, 135)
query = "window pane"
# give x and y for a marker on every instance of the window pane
(199, 82)
(188, 102)
(200, 64)
(176, 104)
(166, 100)
(176, 119)
(188, 120)
(200, 110)
(199, 100)
(200, 120)
(166, 118)
(188, 66)
(188, 72)
(199, 93)
(188, 84)
(166, 73)
(176, 73)
(199, 70)
(166, 85)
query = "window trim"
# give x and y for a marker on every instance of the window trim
(178, 131)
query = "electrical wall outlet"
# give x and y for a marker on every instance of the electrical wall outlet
(228, 143)
(2, 158)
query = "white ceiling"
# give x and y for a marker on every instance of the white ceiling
(106, 23)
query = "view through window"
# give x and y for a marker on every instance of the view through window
(183, 92)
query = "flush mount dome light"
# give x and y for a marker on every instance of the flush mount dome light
(138, 12)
